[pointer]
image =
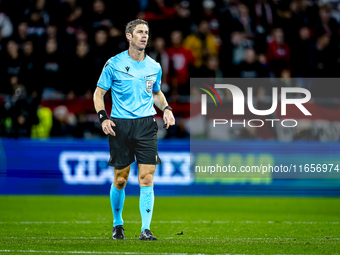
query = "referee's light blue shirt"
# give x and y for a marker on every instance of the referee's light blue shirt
(131, 83)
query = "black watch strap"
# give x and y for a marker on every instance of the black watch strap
(167, 107)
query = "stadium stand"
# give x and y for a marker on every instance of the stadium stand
(52, 53)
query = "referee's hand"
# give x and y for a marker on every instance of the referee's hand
(169, 119)
(107, 127)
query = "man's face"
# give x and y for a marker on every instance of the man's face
(159, 44)
(176, 38)
(100, 37)
(28, 48)
(279, 36)
(140, 36)
(203, 27)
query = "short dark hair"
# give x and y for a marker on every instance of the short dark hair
(132, 25)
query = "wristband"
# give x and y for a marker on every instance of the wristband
(102, 116)
(167, 107)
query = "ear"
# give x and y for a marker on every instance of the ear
(128, 36)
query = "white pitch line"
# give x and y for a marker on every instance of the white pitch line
(51, 222)
(67, 238)
(87, 252)
(112, 252)
(166, 238)
(104, 252)
(174, 222)
(53, 238)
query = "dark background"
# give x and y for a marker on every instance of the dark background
(52, 53)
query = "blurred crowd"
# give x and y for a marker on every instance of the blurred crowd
(56, 49)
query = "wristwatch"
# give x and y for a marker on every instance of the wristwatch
(167, 107)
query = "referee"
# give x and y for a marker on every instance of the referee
(134, 79)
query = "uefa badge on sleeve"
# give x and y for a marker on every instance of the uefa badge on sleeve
(149, 85)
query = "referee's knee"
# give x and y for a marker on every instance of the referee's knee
(121, 182)
(146, 180)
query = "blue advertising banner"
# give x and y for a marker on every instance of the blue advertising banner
(61, 166)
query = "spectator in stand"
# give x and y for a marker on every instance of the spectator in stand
(117, 40)
(43, 128)
(64, 122)
(21, 34)
(308, 12)
(100, 17)
(323, 58)
(201, 44)
(36, 25)
(289, 19)
(79, 71)
(310, 47)
(328, 25)
(210, 69)
(159, 16)
(52, 33)
(224, 19)
(81, 36)
(278, 53)
(157, 10)
(239, 44)
(209, 15)
(300, 53)
(10, 65)
(160, 54)
(264, 16)
(179, 72)
(17, 87)
(250, 67)
(67, 16)
(6, 26)
(244, 22)
(232, 5)
(51, 75)
(182, 20)
(40, 6)
(286, 78)
(295, 10)
(74, 19)
(30, 67)
(22, 111)
(101, 50)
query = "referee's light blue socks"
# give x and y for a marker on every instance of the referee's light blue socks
(146, 201)
(117, 197)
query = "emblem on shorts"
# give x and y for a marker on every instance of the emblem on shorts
(149, 85)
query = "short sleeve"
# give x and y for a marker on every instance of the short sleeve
(106, 77)
(157, 84)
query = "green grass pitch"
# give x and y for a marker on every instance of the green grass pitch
(185, 225)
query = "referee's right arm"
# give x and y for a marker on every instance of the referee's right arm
(98, 99)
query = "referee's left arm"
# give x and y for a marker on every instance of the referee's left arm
(160, 101)
(98, 100)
